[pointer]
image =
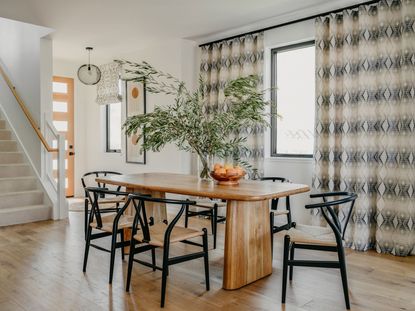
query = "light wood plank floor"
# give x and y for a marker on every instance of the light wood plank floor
(41, 269)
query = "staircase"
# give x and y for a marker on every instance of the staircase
(22, 199)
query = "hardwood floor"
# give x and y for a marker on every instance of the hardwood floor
(41, 269)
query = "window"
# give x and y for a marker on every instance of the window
(293, 76)
(113, 115)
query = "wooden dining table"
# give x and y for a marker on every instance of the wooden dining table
(247, 255)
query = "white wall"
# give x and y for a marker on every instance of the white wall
(177, 57)
(21, 51)
(297, 170)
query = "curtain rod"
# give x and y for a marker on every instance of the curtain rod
(292, 22)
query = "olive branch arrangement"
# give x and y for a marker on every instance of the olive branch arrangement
(188, 122)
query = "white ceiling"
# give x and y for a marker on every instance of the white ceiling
(116, 27)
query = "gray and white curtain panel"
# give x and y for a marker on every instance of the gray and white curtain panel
(365, 120)
(225, 61)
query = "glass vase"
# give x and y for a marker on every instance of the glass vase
(205, 166)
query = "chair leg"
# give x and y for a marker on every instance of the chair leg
(153, 258)
(86, 217)
(214, 220)
(113, 243)
(206, 258)
(285, 267)
(186, 216)
(130, 265)
(87, 243)
(292, 258)
(342, 260)
(271, 222)
(122, 241)
(164, 275)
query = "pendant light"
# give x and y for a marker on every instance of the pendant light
(89, 74)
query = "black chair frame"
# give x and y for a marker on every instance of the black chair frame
(326, 208)
(90, 236)
(274, 207)
(214, 218)
(102, 195)
(136, 247)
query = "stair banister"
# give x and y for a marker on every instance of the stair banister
(26, 112)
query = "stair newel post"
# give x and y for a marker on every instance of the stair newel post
(62, 204)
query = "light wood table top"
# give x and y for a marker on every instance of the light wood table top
(247, 190)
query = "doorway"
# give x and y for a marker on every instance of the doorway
(63, 120)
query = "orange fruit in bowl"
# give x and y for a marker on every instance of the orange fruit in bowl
(220, 171)
(217, 166)
(231, 172)
(228, 166)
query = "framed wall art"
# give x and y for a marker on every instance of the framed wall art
(135, 104)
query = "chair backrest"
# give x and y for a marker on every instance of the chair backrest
(331, 200)
(93, 193)
(274, 202)
(274, 179)
(88, 180)
(139, 203)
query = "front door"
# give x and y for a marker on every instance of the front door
(63, 120)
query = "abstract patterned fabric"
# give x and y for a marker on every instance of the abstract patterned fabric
(365, 120)
(108, 90)
(225, 61)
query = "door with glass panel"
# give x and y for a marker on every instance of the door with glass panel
(63, 120)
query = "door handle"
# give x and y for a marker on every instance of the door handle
(71, 153)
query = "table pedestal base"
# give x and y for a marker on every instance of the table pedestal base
(247, 243)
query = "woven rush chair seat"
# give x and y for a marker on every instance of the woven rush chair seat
(125, 221)
(158, 230)
(281, 212)
(112, 200)
(207, 203)
(312, 235)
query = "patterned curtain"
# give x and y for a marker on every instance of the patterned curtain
(225, 61)
(108, 90)
(365, 120)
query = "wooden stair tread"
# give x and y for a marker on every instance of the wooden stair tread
(20, 192)
(18, 178)
(24, 214)
(23, 207)
(178, 234)
(14, 164)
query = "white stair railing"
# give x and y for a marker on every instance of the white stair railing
(56, 173)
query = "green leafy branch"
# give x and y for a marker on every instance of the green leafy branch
(186, 123)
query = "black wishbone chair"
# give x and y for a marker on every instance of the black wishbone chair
(154, 235)
(276, 212)
(209, 208)
(108, 225)
(108, 204)
(317, 238)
